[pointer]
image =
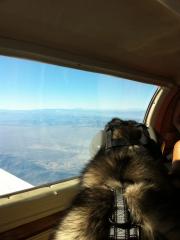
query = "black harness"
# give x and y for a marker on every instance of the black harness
(122, 226)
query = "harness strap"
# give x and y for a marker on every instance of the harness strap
(122, 227)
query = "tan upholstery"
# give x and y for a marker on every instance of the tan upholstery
(134, 39)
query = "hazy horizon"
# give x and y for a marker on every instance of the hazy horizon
(46, 146)
(83, 109)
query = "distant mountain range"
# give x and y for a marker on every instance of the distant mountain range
(52, 117)
(41, 146)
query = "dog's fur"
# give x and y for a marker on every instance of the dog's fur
(148, 191)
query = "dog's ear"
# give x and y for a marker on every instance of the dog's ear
(136, 135)
(142, 134)
(149, 142)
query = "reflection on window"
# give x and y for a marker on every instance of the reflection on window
(49, 114)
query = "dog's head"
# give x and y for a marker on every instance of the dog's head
(119, 133)
(125, 133)
(126, 153)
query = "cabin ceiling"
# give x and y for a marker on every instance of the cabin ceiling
(135, 39)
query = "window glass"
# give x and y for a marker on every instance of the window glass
(49, 114)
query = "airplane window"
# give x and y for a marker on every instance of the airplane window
(49, 114)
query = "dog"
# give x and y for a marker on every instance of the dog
(136, 166)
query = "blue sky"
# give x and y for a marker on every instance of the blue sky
(28, 84)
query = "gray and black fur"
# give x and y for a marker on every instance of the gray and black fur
(148, 191)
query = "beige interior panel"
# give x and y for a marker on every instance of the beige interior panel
(28, 206)
(41, 236)
(137, 39)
